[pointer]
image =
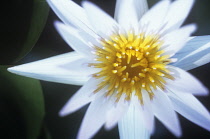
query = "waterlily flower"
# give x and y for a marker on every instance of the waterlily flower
(133, 67)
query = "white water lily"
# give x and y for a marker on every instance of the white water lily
(132, 67)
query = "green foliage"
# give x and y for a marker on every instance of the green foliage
(22, 24)
(23, 104)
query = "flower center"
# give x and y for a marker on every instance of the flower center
(131, 65)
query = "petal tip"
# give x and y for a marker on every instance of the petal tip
(109, 126)
(65, 111)
(178, 134)
(10, 69)
(205, 91)
(13, 69)
(86, 3)
(62, 113)
(57, 23)
(177, 131)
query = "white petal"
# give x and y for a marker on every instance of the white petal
(80, 98)
(147, 112)
(91, 40)
(94, 118)
(126, 14)
(178, 12)
(141, 7)
(177, 39)
(185, 82)
(71, 13)
(101, 21)
(67, 68)
(188, 106)
(164, 111)
(131, 126)
(71, 36)
(153, 19)
(195, 53)
(115, 113)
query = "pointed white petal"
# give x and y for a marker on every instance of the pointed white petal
(94, 118)
(81, 97)
(72, 37)
(147, 112)
(71, 13)
(180, 9)
(185, 82)
(101, 21)
(91, 40)
(67, 68)
(195, 53)
(131, 126)
(177, 39)
(126, 14)
(164, 111)
(115, 113)
(153, 19)
(189, 107)
(141, 7)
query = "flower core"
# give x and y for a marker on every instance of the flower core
(131, 65)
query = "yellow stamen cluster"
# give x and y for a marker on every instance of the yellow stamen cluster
(130, 64)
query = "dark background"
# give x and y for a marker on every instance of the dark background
(56, 95)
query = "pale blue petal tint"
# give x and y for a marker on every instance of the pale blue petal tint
(153, 19)
(94, 118)
(147, 112)
(131, 126)
(187, 83)
(82, 97)
(126, 14)
(102, 23)
(195, 53)
(73, 38)
(66, 68)
(180, 9)
(72, 14)
(164, 111)
(115, 113)
(175, 40)
(189, 107)
(141, 7)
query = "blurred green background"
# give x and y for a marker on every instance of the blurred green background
(29, 108)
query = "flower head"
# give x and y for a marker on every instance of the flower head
(130, 66)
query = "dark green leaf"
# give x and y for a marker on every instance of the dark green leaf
(37, 23)
(22, 24)
(24, 102)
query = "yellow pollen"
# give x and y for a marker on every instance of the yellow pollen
(130, 65)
